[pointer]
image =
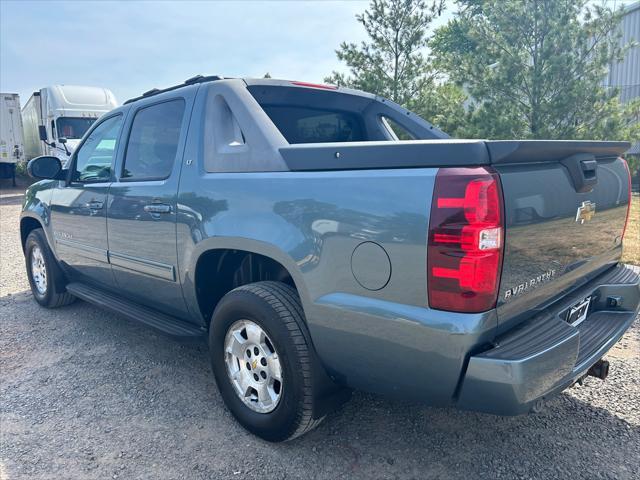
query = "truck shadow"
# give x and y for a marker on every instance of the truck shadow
(118, 386)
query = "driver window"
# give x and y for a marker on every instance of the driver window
(94, 159)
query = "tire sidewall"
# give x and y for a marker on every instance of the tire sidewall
(280, 423)
(35, 240)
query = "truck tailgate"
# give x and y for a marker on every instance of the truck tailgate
(565, 211)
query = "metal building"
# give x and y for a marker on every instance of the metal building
(625, 75)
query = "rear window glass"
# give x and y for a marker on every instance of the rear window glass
(310, 125)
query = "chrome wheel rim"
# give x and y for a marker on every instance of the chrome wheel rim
(38, 270)
(253, 366)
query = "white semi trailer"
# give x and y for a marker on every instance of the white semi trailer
(55, 118)
(11, 139)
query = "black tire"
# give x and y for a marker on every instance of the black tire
(276, 308)
(55, 294)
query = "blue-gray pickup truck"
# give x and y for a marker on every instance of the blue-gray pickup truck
(323, 239)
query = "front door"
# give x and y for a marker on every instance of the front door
(79, 206)
(142, 205)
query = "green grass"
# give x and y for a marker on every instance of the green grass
(631, 247)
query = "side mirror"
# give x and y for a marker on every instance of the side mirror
(42, 131)
(45, 167)
(62, 140)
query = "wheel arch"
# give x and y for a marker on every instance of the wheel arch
(27, 225)
(220, 269)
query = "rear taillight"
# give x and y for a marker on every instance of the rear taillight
(626, 220)
(466, 231)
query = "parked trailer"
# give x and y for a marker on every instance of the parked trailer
(11, 138)
(55, 118)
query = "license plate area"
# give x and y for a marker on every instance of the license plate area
(579, 312)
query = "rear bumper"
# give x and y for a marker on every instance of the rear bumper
(545, 355)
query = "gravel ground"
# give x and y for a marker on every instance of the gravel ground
(86, 394)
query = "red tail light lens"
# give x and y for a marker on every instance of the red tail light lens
(465, 240)
(626, 221)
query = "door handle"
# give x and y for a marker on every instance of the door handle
(94, 205)
(157, 208)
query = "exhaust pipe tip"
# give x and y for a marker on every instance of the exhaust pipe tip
(599, 370)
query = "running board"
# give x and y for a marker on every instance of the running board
(160, 321)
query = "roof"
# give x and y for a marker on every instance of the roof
(250, 82)
(188, 81)
(631, 7)
(81, 97)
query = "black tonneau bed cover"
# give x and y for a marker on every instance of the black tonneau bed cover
(439, 153)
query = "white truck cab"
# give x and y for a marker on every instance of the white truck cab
(55, 118)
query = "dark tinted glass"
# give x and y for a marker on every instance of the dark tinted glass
(399, 131)
(69, 127)
(94, 159)
(153, 141)
(309, 125)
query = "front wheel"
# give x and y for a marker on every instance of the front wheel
(263, 361)
(45, 277)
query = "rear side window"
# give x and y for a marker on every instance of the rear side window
(153, 141)
(396, 129)
(310, 125)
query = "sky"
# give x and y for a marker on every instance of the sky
(133, 46)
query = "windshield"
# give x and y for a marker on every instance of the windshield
(73, 128)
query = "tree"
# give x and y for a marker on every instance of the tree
(535, 68)
(442, 104)
(392, 62)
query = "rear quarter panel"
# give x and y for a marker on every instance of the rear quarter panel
(315, 220)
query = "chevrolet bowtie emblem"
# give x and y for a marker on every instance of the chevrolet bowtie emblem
(254, 364)
(585, 212)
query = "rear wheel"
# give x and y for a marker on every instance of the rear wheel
(45, 276)
(263, 361)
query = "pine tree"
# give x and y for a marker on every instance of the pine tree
(535, 68)
(392, 62)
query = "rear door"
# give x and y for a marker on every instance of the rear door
(142, 203)
(79, 207)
